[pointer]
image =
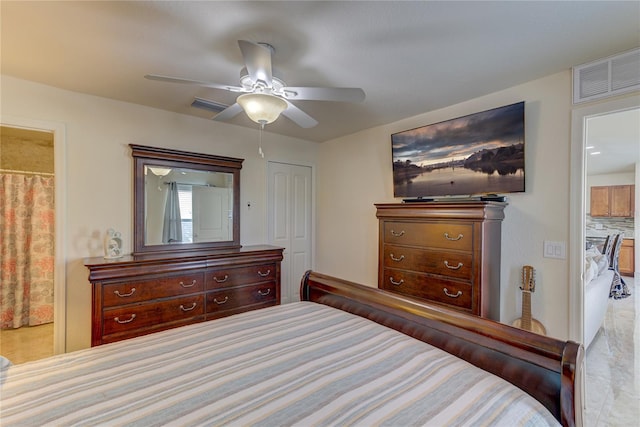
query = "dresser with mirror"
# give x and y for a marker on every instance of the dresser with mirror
(187, 265)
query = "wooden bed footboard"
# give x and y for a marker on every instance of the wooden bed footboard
(546, 368)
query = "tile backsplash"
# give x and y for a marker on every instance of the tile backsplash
(601, 227)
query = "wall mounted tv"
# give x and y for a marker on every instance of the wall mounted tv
(478, 154)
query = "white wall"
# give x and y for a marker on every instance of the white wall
(354, 172)
(99, 171)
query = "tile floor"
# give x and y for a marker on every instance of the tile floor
(613, 365)
(27, 343)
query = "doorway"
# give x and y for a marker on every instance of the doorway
(602, 380)
(289, 222)
(27, 243)
(57, 130)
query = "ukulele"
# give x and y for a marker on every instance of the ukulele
(526, 322)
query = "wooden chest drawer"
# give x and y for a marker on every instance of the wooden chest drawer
(429, 234)
(444, 263)
(449, 292)
(231, 298)
(144, 290)
(229, 277)
(145, 315)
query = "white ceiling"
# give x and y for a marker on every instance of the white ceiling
(613, 143)
(409, 57)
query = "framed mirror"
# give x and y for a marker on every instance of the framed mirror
(184, 201)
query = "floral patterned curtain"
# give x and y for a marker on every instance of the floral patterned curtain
(26, 250)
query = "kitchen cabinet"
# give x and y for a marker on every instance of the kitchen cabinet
(626, 258)
(612, 201)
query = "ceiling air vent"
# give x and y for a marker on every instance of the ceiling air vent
(607, 77)
(205, 104)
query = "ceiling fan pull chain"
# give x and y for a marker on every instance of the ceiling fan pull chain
(260, 141)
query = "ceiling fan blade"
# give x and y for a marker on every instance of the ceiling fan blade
(193, 82)
(228, 113)
(341, 94)
(257, 59)
(299, 117)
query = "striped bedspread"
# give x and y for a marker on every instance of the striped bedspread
(300, 364)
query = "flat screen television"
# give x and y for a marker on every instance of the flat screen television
(474, 155)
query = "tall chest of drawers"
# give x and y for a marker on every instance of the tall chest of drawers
(444, 252)
(138, 295)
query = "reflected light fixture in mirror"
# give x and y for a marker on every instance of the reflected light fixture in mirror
(157, 171)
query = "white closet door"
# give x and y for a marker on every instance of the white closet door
(290, 222)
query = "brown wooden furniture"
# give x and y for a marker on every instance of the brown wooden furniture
(612, 201)
(138, 295)
(548, 369)
(626, 258)
(192, 170)
(445, 252)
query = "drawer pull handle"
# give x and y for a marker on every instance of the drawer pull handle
(446, 292)
(460, 236)
(393, 282)
(451, 267)
(393, 233)
(188, 286)
(183, 308)
(224, 279)
(396, 259)
(264, 294)
(117, 319)
(125, 295)
(221, 302)
(260, 273)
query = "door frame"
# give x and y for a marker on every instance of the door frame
(59, 281)
(577, 198)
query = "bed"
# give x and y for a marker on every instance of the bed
(346, 354)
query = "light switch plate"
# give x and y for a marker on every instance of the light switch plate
(555, 249)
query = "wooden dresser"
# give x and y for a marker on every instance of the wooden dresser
(444, 252)
(138, 295)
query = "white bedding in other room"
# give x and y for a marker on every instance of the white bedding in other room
(301, 364)
(595, 263)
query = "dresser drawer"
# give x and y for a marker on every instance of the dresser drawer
(229, 277)
(429, 234)
(144, 290)
(117, 320)
(444, 263)
(427, 287)
(230, 298)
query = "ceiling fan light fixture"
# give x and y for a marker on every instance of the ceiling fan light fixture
(261, 107)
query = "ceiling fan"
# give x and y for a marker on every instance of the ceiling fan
(263, 96)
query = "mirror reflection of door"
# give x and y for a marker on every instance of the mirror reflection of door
(212, 213)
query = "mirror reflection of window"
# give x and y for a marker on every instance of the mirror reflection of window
(185, 193)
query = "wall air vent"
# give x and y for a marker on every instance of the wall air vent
(607, 77)
(205, 104)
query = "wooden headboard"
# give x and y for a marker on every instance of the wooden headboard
(546, 368)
